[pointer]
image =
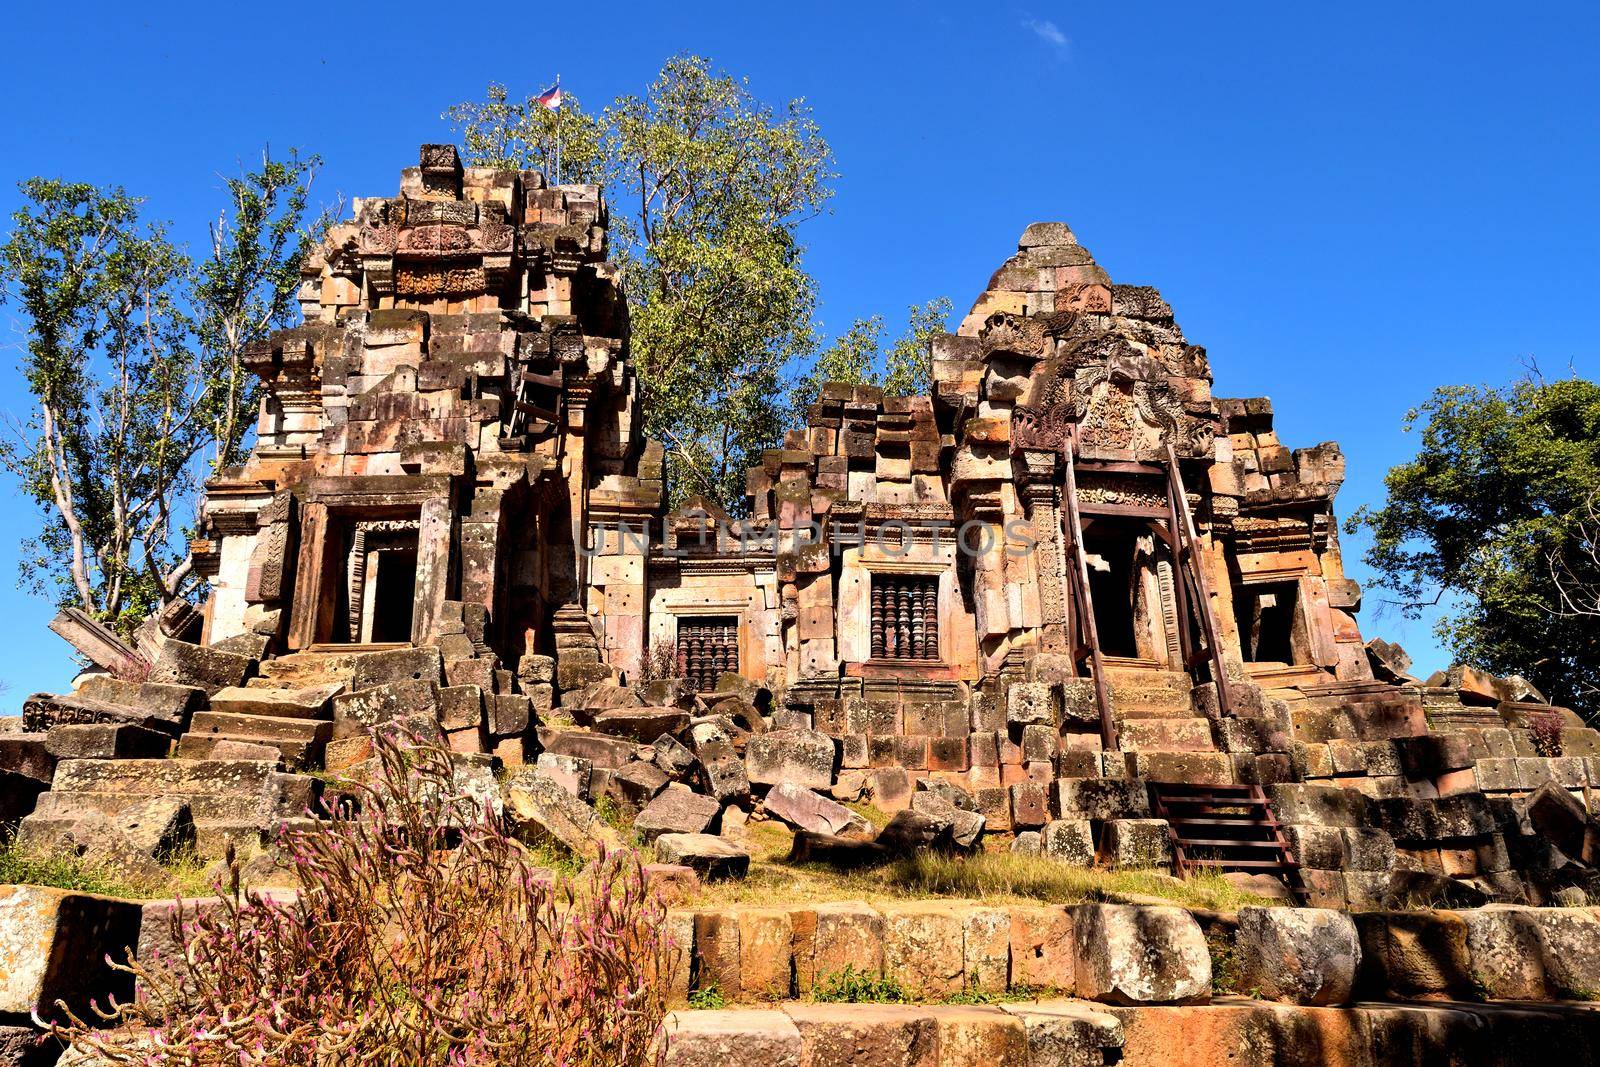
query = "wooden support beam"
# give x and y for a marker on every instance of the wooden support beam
(1072, 527)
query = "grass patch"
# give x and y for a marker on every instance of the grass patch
(997, 877)
(184, 874)
(876, 816)
(708, 999)
(1015, 875)
(851, 986)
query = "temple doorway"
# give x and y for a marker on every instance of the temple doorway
(381, 590)
(1129, 585)
(1271, 629)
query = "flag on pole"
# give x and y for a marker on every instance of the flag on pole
(550, 99)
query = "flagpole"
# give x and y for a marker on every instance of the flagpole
(559, 110)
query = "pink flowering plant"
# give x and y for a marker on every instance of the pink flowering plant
(422, 934)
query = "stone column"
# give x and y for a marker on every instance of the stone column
(435, 536)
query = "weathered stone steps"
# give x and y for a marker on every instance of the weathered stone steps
(1173, 735)
(1233, 1032)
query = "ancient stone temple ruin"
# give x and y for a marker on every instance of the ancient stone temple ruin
(1070, 602)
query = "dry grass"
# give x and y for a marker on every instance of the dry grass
(183, 875)
(998, 877)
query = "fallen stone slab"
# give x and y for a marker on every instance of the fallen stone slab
(605, 753)
(211, 669)
(544, 811)
(28, 755)
(42, 711)
(805, 758)
(573, 772)
(963, 827)
(107, 741)
(310, 702)
(725, 774)
(1128, 954)
(910, 831)
(711, 857)
(1297, 955)
(842, 853)
(644, 725)
(677, 809)
(54, 943)
(675, 761)
(717, 1038)
(168, 701)
(805, 809)
(636, 784)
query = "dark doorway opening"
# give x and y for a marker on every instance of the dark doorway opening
(1110, 560)
(395, 594)
(1268, 615)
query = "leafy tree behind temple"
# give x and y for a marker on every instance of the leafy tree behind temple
(707, 186)
(1491, 518)
(132, 359)
(856, 357)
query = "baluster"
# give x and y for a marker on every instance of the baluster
(877, 618)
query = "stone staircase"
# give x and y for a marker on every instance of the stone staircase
(1155, 711)
(286, 707)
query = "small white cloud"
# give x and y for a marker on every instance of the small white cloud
(1048, 32)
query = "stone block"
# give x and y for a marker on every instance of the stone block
(1068, 841)
(883, 1035)
(1297, 955)
(1069, 1033)
(1137, 844)
(1101, 798)
(181, 663)
(986, 948)
(847, 934)
(54, 943)
(766, 953)
(711, 857)
(1042, 954)
(1418, 955)
(1521, 953)
(923, 948)
(715, 1038)
(1030, 807)
(397, 665)
(805, 758)
(677, 809)
(1031, 703)
(1140, 955)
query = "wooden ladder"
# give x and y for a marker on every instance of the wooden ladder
(1225, 828)
(1174, 524)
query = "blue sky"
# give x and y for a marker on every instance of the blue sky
(1346, 204)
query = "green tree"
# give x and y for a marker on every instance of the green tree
(132, 357)
(246, 287)
(856, 358)
(1493, 518)
(521, 135)
(708, 186)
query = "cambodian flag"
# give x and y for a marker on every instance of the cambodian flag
(551, 97)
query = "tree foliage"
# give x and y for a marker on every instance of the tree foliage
(1493, 518)
(708, 186)
(132, 357)
(856, 357)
